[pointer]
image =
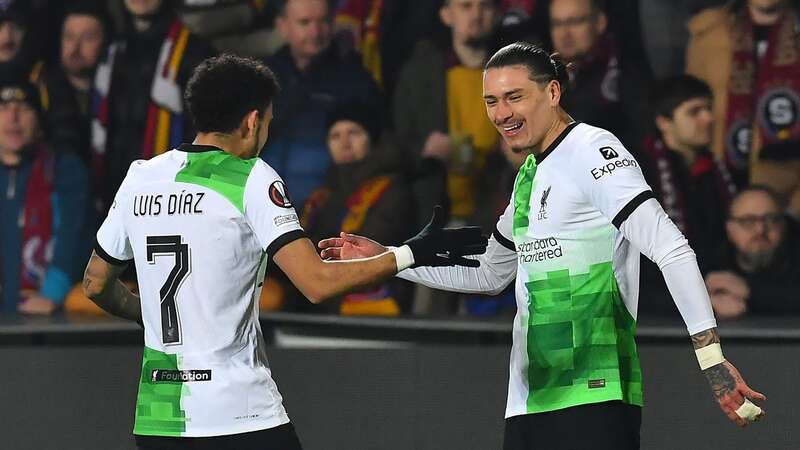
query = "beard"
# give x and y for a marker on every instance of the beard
(760, 260)
(82, 71)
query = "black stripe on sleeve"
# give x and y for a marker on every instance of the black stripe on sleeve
(108, 258)
(502, 240)
(284, 239)
(631, 207)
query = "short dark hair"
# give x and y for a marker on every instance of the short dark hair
(764, 189)
(224, 89)
(91, 9)
(670, 92)
(543, 67)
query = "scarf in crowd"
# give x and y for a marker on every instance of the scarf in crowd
(36, 221)
(764, 95)
(604, 56)
(672, 195)
(164, 125)
(377, 302)
(361, 19)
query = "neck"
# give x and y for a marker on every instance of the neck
(560, 123)
(10, 158)
(468, 56)
(689, 154)
(80, 83)
(301, 62)
(141, 24)
(766, 17)
(225, 142)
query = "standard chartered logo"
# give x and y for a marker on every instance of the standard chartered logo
(539, 250)
(608, 169)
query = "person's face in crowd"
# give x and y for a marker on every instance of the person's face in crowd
(690, 124)
(348, 142)
(575, 27)
(521, 109)
(766, 12)
(470, 20)
(11, 36)
(306, 27)
(142, 7)
(18, 126)
(81, 44)
(756, 227)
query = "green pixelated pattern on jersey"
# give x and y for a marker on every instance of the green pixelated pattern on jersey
(522, 196)
(219, 171)
(158, 406)
(580, 341)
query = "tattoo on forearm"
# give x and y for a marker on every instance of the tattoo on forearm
(705, 338)
(721, 380)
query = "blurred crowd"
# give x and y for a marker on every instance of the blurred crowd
(381, 117)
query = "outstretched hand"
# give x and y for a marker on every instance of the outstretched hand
(435, 245)
(349, 246)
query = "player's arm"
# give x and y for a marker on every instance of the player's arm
(432, 246)
(497, 269)
(622, 195)
(101, 284)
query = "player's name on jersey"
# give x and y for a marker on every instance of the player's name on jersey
(170, 204)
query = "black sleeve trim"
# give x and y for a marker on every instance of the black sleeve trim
(631, 207)
(284, 239)
(108, 258)
(502, 240)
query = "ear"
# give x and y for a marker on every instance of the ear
(282, 24)
(250, 124)
(663, 124)
(446, 15)
(554, 91)
(601, 22)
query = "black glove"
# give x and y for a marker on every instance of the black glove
(437, 246)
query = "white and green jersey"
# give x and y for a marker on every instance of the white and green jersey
(577, 276)
(200, 225)
(563, 237)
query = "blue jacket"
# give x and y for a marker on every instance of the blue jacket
(297, 146)
(70, 205)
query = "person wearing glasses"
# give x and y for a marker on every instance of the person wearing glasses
(759, 269)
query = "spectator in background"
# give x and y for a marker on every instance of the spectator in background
(84, 33)
(42, 211)
(693, 186)
(438, 106)
(20, 48)
(314, 76)
(749, 53)
(138, 108)
(607, 89)
(759, 269)
(365, 194)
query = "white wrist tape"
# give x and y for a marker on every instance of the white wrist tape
(709, 356)
(403, 256)
(749, 411)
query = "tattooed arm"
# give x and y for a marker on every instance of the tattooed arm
(101, 284)
(728, 386)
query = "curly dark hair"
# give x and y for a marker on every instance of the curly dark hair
(225, 88)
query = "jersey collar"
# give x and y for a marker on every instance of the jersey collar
(541, 156)
(194, 148)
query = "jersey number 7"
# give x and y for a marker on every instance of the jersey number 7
(170, 245)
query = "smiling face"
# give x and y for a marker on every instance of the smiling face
(521, 109)
(11, 36)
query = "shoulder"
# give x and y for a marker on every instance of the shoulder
(596, 151)
(708, 20)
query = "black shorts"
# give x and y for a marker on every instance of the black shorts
(597, 426)
(279, 438)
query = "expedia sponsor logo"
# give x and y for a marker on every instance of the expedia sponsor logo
(179, 376)
(608, 169)
(539, 250)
